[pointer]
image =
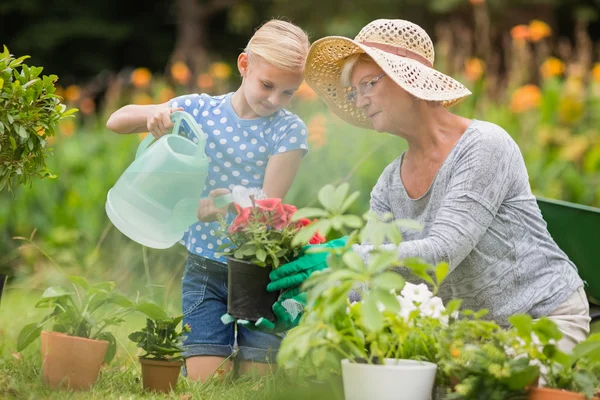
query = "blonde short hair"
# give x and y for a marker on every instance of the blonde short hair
(281, 44)
(349, 64)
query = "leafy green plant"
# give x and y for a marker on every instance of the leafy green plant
(374, 328)
(576, 372)
(85, 311)
(160, 339)
(29, 115)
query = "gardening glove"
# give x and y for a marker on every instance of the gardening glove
(288, 310)
(293, 274)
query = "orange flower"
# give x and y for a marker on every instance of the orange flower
(525, 98)
(520, 33)
(539, 30)
(305, 92)
(220, 70)
(552, 67)
(180, 73)
(142, 99)
(72, 93)
(474, 68)
(87, 106)
(204, 82)
(455, 352)
(141, 77)
(143, 135)
(317, 130)
(596, 72)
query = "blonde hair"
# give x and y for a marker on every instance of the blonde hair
(349, 64)
(281, 44)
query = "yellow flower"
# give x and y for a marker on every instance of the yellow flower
(72, 93)
(570, 109)
(204, 82)
(596, 72)
(220, 70)
(538, 30)
(474, 68)
(520, 33)
(552, 67)
(575, 149)
(165, 95)
(141, 77)
(143, 135)
(40, 131)
(525, 98)
(180, 73)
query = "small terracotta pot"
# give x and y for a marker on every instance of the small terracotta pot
(553, 394)
(160, 376)
(70, 361)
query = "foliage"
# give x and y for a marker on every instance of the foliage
(160, 339)
(29, 115)
(86, 311)
(263, 233)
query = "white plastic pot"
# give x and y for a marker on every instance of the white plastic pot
(397, 379)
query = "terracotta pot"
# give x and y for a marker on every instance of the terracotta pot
(160, 376)
(553, 394)
(70, 361)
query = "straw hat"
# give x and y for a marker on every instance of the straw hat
(404, 52)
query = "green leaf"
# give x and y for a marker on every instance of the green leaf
(588, 348)
(354, 261)
(152, 310)
(382, 260)
(107, 286)
(387, 299)
(340, 195)
(79, 281)
(349, 201)
(309, 213)
(521, 379)
(111, 351)
(28, 334)
(388, 281)
(121, 300)
(54, 292)
(327, 197)
(524, 324)
(372, 317)
(441, 271)
(352, 221)
(21, 131)
(546, 329)
(261, 254)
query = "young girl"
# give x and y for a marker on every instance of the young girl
(252, 141)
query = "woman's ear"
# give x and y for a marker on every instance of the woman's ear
(242, 63)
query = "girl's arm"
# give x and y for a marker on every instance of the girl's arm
(280, 173)
(133, 118)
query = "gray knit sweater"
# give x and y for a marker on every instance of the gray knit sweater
(480, 216)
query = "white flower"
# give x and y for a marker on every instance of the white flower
(418, 293)
(406, 307)
(434, 307)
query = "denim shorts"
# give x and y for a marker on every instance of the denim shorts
(204, 301)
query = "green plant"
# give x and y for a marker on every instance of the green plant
(577, 372)
(263, 233)
(383, 324)
(160, 339)
(86, 311)
(29, 115)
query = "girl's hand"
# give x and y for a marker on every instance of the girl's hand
(207, 212)
(160, 122)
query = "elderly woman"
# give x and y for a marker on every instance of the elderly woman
(464, 179)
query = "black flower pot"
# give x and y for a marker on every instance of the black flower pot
(247, 296)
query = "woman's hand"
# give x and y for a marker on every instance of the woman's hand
(160, 123)
(207, 212)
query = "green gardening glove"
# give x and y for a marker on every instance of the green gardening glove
(288, 310)
(293, 274)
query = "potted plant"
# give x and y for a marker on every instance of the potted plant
(259, 240)
(563, 376)
(78, 343)
(386, 342)
(162, 342)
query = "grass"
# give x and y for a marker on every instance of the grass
(20, 373)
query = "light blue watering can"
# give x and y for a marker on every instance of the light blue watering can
(156, 198)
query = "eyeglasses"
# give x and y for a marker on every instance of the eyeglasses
(364, 88)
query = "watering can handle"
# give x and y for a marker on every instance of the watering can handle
(177, 117)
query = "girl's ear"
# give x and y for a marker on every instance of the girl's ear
(242, 63)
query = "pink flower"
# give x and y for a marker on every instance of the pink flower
(268, 204)
(241, 221)
(317, 239)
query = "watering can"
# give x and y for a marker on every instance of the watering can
(156, 199)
